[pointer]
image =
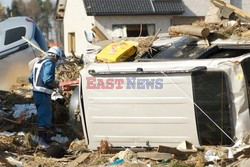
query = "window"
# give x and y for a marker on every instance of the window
(71, 42)
(14, 35)
(246, 69)
(211, 94)
(185, 48)
(133, 30)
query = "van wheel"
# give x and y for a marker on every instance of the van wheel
(74, 113)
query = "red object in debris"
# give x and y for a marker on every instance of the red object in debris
(68, 85)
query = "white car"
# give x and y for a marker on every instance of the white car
(15, 53)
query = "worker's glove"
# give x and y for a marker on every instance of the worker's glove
(54, 84)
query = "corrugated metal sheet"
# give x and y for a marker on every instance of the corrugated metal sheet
(133, 7)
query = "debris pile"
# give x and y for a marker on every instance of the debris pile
(69, 69)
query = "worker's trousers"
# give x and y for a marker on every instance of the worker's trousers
(44, 110)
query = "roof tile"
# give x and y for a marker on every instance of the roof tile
(133, 7)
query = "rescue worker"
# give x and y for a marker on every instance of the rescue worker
(42, 78)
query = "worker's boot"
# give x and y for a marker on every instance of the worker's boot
(48, 135)
(42, 138)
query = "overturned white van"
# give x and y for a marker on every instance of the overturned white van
(202, 99)
(15, 53)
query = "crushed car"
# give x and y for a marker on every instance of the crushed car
(15, 52)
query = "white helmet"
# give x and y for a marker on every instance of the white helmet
(56, 50)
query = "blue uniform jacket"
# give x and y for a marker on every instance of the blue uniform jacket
(47, 73)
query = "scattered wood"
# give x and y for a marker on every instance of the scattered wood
(99, 33)
(245, 153)
(213, 16)
(189, 30)
(246, 34)
(178, 154)
(73, 54)
(10, 120)
(6, 126)
(145, 44)
(157, 156)
(107, 155)
(79, 160)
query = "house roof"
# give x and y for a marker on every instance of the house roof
(133, 7)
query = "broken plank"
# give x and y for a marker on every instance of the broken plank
(171, 150)
(107, 155)
(154, 155)
(79, 160)
(189, 29)
(99, 33)
(246, 33)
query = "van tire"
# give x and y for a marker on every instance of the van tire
(73, 106)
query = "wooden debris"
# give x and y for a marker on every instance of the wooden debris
(245, 153)
(157, 156)
(99, 33)
(145, 44)
(10, 120)
(107, 155)
(213, 16)
(190, 30)
(246, 34)
(79, 160)
(105, 147)
(69, 70)
(171, 150)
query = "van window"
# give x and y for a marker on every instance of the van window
(246, 69)
(13, 35)
(211, 94)
(40, 39)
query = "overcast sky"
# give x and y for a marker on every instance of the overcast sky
(8, 2)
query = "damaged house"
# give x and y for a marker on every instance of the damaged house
(126, 18)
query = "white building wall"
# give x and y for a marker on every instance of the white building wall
(106, 22)
(242, 4)
(76, 21)
(198, 7)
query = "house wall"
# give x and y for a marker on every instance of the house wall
(199, 8)
(76, 21)
(106, 22)
(242, 4)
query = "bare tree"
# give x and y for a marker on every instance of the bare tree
(2, 12)
(39, 10)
